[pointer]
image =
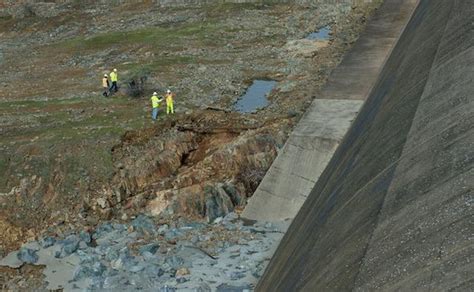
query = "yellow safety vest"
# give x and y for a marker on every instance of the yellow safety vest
(155, 101)
(113, 76)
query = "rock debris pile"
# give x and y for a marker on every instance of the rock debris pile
(228, 254)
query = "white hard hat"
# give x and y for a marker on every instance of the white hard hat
(105, 75)
(115, 70)
(168, 91)
(155, 93)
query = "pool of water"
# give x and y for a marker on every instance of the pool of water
(255, 97)
(321, 34)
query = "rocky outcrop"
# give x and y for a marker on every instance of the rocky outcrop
(201, 165)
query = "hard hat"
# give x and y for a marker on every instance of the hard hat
(115, 70)
(105, 75)
(155, 93)
(168, 91)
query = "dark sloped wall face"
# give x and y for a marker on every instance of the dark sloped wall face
(423, 237)
(345, 237)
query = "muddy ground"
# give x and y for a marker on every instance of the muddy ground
(71, 158)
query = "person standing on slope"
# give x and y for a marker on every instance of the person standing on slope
(169, 102)
(155, 104)
(114, 79)
(105, 85)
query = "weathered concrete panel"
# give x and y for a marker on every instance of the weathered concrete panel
(303, 157)
(423, 237)
(393, 211)
(317, 135)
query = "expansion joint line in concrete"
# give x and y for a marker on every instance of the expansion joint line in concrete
(404, 152)
(302, 177)
(281, 197)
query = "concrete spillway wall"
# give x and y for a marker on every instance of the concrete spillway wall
(394, 209)
(314, 140)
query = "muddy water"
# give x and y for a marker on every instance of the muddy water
(321, 34)
(255, 97)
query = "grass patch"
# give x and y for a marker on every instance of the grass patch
(53, 104)
(136, 70)
(3, 171)
(6, 23)
(224, 9)
(52, 120)
(40, 103)
(158, 37)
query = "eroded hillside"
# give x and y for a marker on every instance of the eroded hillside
(71, 158)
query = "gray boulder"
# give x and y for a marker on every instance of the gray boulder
(151, 248)
(230, 288)
(69, 246)
(144, 224)
(47, 242)
(27, 255)
(154, 271)
(85, 236)
(218, 203)
(97, 269)
(175, 262)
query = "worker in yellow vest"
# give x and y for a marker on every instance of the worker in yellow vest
(114, 79)
(155, 104)
(105, 85)
(169, 102)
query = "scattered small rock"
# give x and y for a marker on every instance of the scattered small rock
(182, 272)
(102, 203)
(162, 229)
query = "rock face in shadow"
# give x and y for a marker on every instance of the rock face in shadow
(393, 209)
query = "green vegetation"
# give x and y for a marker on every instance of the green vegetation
(3, 169)
(74, 136)
(6, 23)
(137, 70)
(223, 9)
(6, 106)
(82, 130)
(78, 118)
(158, 37)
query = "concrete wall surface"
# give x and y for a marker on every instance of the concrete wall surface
(315, 138)
(394, 209)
